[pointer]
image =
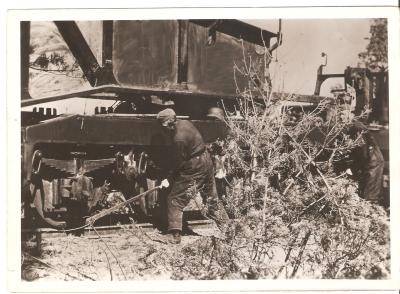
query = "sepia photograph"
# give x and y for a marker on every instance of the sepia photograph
(203, 149)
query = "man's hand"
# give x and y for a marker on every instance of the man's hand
(164, 184)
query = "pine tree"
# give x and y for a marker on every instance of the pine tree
(375, 56)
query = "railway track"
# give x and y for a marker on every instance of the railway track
(90, 230)
(41, 234)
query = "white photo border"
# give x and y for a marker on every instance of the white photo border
(14, 155)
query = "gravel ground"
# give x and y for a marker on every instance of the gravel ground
(130, 254)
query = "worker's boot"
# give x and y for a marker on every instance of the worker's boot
(173, 237)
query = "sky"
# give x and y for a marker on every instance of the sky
(304, 40)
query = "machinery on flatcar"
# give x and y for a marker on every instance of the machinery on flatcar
(73, 161)
(365, 90)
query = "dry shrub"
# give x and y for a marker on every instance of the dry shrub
(297, 213)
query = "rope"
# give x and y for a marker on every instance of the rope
(91, 220)
(103, 213)
(75, 229)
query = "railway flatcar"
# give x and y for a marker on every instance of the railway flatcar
(105, 142)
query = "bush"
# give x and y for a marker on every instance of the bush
(296, 210)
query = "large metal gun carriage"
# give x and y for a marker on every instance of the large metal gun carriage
(73, 162)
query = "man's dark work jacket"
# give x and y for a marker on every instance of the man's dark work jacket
(191, 170)
(187, 143)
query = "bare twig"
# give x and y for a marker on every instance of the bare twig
(112, 253)
(291, 246)
(108, 264)
(300, 255)
(265, 203)
(310, 159)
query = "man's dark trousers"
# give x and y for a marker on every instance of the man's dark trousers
(196, 174)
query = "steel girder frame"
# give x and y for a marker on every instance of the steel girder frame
(94, 73)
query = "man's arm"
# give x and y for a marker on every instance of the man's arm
(178, 157)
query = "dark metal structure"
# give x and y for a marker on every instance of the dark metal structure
(25, 29)
(370, 91)
(71, 161)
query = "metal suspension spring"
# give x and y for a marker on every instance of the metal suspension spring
(36, 162)
(142, 166)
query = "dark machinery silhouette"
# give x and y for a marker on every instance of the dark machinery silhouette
(72, 162)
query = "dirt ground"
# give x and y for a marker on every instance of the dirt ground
(133, 253)
(142, 253)
(129, 254)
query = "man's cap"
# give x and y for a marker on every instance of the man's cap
(216, 112)
(166, 114)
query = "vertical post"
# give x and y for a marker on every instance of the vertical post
(319, 82)
(320, 76)
(38, 242)
(183, 52)
(25, 32)
(377, 101)
(108, 31)
(384, 97)
(107, 76)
